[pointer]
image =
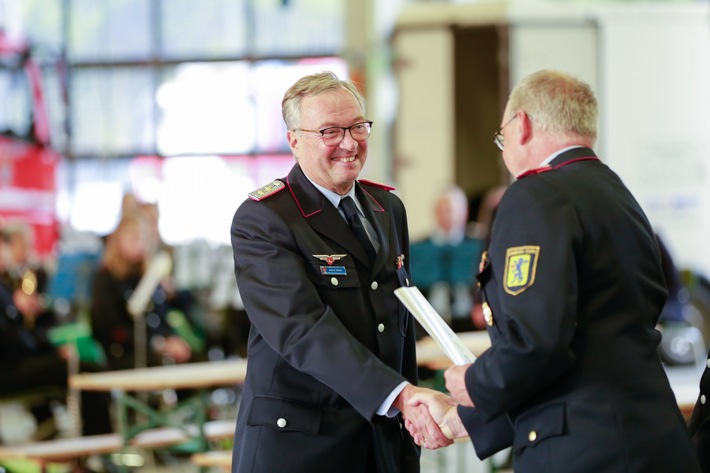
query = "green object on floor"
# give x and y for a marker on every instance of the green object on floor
(28, 466)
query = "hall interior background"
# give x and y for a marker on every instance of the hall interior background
(178, 102)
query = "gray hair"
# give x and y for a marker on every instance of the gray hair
(312, 85)
(557, 103)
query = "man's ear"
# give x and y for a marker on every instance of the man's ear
(526, 127)
(293, 140)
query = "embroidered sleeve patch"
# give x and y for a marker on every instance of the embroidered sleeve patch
(520, 267)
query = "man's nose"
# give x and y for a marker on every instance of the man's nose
(348, 142)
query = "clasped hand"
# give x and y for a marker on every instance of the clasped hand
(424, 407)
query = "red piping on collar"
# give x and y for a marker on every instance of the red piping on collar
(298, 204)
(547, 167)
(379, 207)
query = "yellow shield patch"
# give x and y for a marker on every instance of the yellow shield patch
(520, 267)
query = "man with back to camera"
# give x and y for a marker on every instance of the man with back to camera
(573, 288)
(331, 354)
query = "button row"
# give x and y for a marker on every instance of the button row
(334, 281)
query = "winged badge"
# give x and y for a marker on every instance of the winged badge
(329, 259)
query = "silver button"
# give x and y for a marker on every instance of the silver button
(281, 422)
(374, 285)
(334, 281)
(381, 328)
(532, 436)
(702, 399)
(708, 363)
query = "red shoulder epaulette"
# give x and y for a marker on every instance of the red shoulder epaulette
(535, 171)
(267, 191)
(376, 184)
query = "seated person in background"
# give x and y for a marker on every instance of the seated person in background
(28, 360)
(20, 269)
(445, 263)
(678, 297)
(122, 266)
(481, 229)
(680, 323)
(185, 312)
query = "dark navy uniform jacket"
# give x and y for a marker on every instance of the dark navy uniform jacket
(699, 423)
(329, 339)
(574, 289)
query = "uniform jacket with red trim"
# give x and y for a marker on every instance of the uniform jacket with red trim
(699, 423)
(574, 285)
(329, 339)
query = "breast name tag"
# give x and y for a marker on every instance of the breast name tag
(333, 270)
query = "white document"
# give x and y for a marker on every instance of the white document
(435, 326)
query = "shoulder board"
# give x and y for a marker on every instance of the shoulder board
(535, 171)
(267, 191)
(376, 184)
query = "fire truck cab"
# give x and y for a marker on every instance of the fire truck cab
(28, 157)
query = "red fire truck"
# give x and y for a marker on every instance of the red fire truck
(28, 160)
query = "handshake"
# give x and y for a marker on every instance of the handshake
(431, 416)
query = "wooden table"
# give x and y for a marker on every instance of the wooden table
(183, 376)
(429, 353)
(129, 384)
(684, 380)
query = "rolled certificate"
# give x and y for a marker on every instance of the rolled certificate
(450, 343)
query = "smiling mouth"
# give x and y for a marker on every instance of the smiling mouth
(345, 159)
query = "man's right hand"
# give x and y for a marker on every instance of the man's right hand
(418, 421)
(442, 409)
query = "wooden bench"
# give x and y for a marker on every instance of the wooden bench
(69, 450)
(215, 458)
(74, 450)
(170, 436)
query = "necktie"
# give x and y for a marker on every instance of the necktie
(355, 221)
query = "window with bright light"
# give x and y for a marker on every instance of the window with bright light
(176, 101)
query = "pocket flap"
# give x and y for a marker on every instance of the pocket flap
(284, 415)
(543, 423)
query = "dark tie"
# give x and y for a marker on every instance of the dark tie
(355, 221)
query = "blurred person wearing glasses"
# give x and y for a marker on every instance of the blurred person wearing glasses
(331, 353)
(573, 288)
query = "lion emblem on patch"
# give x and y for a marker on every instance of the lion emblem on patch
(520, 268)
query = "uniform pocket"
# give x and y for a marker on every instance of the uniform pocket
(284, 415)
(541, 424)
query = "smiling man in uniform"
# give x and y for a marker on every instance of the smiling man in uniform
(318, 254)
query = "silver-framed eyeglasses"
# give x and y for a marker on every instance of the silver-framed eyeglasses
(333, 135)
(498, 137)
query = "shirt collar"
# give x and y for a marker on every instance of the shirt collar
(557, 153)
(333, 197)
